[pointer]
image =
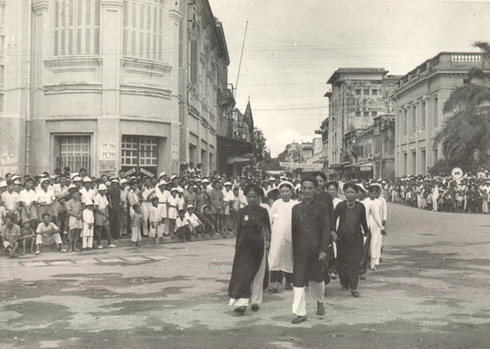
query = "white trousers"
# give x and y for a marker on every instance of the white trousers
(145, 212)
(87, 241)
(375, 247)
(317, 292)
(257, 289)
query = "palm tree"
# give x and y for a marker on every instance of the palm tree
(468, 129)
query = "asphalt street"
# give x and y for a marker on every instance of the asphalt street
(431, 291)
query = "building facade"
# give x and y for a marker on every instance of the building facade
(384, 146)
(358, 95)
(235, 142)
(109, 85)
(420, 98)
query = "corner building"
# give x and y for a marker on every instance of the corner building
(101, 84)
(420, 98)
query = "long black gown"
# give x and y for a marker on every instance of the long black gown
(350, 241)
(253, 226)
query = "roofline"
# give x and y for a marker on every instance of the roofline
(434, 58)
(360, 70)
(217, 26)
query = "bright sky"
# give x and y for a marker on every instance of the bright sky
(293, 47)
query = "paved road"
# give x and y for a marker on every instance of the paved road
(432, 291)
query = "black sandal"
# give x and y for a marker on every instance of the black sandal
(354, 294)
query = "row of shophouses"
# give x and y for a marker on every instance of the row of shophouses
(381, 125)
(137, 85)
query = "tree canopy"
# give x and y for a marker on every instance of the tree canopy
(465, 135)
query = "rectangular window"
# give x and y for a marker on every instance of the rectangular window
(2, 45)
(422, 116)
(358, 113)
(435, 111)
(366, 92)
(413, 119)
(374, 113)
(405, 121)
(366, 114)
(374, 92)
(358, 92)
(75, 152)
(77, 27)
(143, 34)
(194, 61)
(139, 151)
(2, 75)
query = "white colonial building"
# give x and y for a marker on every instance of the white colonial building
(109, 85)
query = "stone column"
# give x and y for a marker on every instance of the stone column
(13, 117)
(41, 155)
(108, 138)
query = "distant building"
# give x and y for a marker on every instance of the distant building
(358, 96)
(235, 146)
(109, 85)
(384, 146)
(420, 97)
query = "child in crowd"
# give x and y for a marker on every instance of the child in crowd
(172, 211)
(197, 226)
(48, 233)
(136, 221)
(183, 227)
(74, 212)
(60, 216)
(227, 204)
(10, 236)
(88, 225)
(210, 229)
(157, 225)
(27, 236)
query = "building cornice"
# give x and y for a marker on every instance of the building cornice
(112, 3)
(37, 5)
(175, 15)
(428, 77)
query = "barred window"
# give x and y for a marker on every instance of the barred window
(75, 146)
(139, 151)
(77, 27)
(143, 29)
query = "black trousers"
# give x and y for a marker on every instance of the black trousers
(366, 256)
(277, 276)
(115, 223)
(348, 260)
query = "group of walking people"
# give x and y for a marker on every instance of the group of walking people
(308, 235)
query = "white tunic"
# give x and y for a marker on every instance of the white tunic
(281, 250)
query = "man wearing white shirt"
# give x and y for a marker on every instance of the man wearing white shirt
(61, 188)
(28, 198)
(10, 199)
(163, 196)
(45, 199)
(88, 194)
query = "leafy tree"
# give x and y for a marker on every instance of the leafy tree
(467, 131)
(260, 148)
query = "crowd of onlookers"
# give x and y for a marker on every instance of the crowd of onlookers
(469, 194)
(77, 212)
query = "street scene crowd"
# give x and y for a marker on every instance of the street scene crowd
(281, 224)
(469, 194)
(300, 233)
